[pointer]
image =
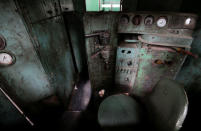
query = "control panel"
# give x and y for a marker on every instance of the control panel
(126, 67)
(158, 44)
(168, 24)
(131, 52)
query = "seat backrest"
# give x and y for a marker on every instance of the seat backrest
(119, 112)
(167, 105)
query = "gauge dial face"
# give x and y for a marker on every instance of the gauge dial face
(188, 21)
(149, 20)
(162, 22)
(137, 20)
(5, 59)
(124, 19)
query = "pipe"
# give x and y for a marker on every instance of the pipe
(17, 107)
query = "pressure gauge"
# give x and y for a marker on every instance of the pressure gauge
(124, 19)
(137, 20)
(162, 22)
(188, 21)
(149, 20)
(6, 59)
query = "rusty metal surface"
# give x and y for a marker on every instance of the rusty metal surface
(126, 66)
(168, 41)
(26, 78)
(150, 72)
(175, 24)
(147, 71)
(37, 10)
(189, 75)
(156, 57)
(51, 43)
(140, 77)
(101, 67)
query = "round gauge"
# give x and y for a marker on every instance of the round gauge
(188, 21)
(149, 20)
(161, 22)
(124, 19)
(137, 20)
(5, 59)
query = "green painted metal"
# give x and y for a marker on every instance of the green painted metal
(175, 26)
(126, 66)
(146, 72)
(138, 72)
(26, 78)
(35, 34)
(119, 112)
(74, 23)
(149, 73)
(169, 41)
(189, 75)
(92, 5)
(46, 26)
(167, 105)
(100, 76)
(96, 5)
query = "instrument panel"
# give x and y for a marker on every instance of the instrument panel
(171, 24)
(142, 47)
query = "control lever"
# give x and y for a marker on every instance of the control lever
(177, 49)
(103, 36)
(97, 53)
(180, 50)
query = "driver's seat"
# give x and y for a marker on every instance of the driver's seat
(166, 107)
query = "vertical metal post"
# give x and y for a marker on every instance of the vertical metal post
(111, 5)
(99, 4)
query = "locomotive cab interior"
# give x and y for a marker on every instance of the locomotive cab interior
(100, 65)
